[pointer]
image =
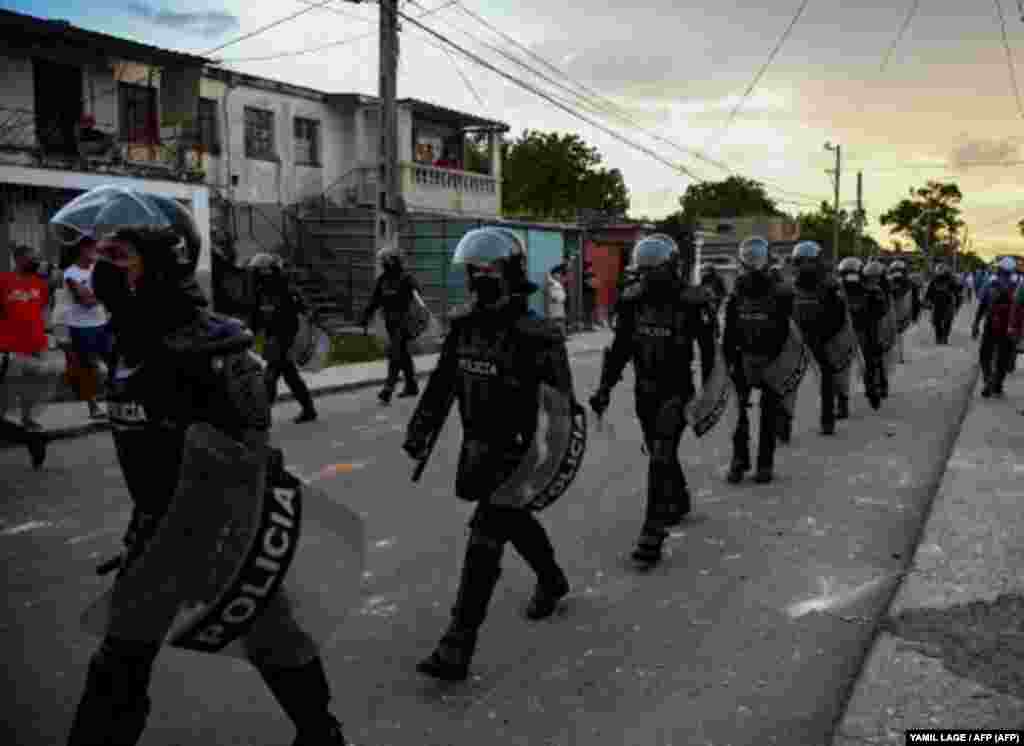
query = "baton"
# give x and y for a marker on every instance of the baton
(432, 440)
(109, 566)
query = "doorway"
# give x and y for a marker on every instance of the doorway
(58, 106)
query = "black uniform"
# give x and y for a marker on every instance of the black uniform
(714, 286)
(658, 326)
(868, 306)
(279, 305)
(757, 318)
(393, 294)
(943, 296)
(998, 346)
(493, 362)
(176, 365)
(820, 312)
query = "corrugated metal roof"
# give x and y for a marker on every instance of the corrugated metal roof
(22, 30)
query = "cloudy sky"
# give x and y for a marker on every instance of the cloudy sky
(943, 108)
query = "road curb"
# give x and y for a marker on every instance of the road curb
(933, 485)
(90, 428)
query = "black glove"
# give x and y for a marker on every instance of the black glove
(600, 400)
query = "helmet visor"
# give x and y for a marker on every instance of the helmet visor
(484, 249)
(654, 251)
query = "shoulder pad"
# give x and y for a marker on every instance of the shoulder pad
(540, 329)
(210, 334)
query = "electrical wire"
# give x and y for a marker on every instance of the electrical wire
(899, 35)
(268, 26)
(546, 96)
(328, 45)
(1009, 59)
(611, 107)
(760, 73)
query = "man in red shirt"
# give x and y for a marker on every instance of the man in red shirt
(24, 373)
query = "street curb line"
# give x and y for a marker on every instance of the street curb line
(90, 428)
(933, 485)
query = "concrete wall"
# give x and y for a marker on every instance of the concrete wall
(17, 102)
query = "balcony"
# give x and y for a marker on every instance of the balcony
(431, 189)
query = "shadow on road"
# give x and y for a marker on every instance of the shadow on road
(980, 640)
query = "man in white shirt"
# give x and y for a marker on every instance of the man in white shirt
(87, 326)
(555, 296)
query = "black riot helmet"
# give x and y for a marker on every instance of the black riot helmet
(163, 232)
(656, 251)
(898, 270)
(755, 254)
(806, 252)
(495, 264)
(850, 269)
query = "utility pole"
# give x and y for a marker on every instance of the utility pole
(837, 149)
(388, 187)
(860, 213)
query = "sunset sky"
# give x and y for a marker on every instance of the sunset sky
(943, 108)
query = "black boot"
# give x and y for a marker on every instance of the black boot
(533, 544)
(304, 694)
(648, 548)
(37, 449)
(680, 508)
(307, 415)
(114, 705)
(480, 572)
(740, 450)
(385, 394)
(987, 390)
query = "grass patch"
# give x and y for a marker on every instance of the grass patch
(345, 349)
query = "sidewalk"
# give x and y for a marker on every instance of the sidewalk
(950, 652)
(70, 419)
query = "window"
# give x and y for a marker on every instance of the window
(139, 122)
(307, 141)
(207, 132)
(259, 134)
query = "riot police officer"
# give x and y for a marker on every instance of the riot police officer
(943, 297)
(394, 295)
(175, 364)
(876, 282)
(757, 328)
(906, 302)
(820, 312)
(713, 282)
(278, 305)
(998, 345)
(867, 311)
(493, 363)
(660, 319)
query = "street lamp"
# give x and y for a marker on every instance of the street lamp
(838, 150)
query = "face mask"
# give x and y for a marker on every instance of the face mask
(488, 290)
(111, 287)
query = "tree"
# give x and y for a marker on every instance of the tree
(1020, 227)
(548, 176)
(735, 197)
(930, 218)
(819, 226)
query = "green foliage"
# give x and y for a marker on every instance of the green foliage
(930, 217)
(735, 197)
(547, 176)
(820, 226)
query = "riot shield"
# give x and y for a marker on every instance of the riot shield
(901, 312)
(232, 549)
(705, 410)
(784, 373)
(887, 337)
(554, 457)
(312, 346)
(842, 348)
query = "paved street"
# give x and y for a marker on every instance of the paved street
(751, 632)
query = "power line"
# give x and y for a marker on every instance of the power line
(549, 98)
(903, 29)
(451, 58)
(621, 114)
(268, 26)
(760, 73)
(328, 45)
(1009, 59)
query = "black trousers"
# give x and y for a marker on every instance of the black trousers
(942, 320)
(491, 528)
(281, 365)
(996, 356)
(827, 389)
(663, 424)
(771, 411)
(399, 357)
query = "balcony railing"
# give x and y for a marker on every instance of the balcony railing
(444, 178)
(450, 191)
